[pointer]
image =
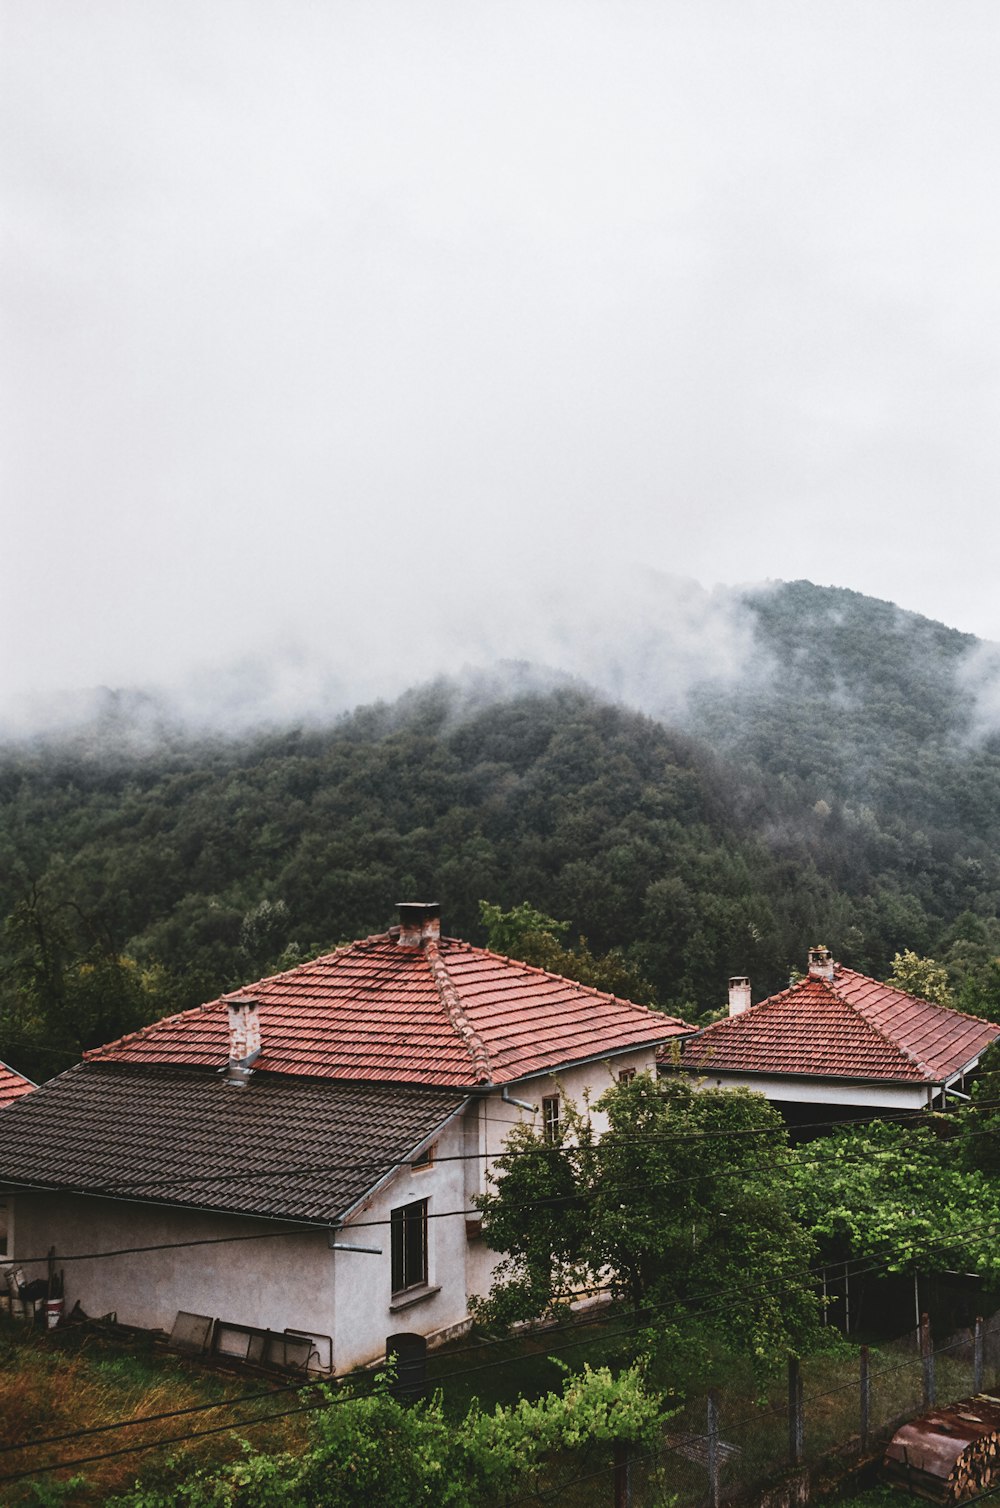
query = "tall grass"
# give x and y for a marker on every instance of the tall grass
(61, 1383)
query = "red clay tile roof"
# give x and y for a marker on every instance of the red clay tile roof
(851, 1027)
(12, 1085)
(444, 1013)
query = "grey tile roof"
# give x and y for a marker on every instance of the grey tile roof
(283, 1147)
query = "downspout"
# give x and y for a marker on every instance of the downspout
(509, 1099)
(946, 1088)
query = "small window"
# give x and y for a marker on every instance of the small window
(626, 1075)
(550, 1117)
(423, 1160)
(409, 1245)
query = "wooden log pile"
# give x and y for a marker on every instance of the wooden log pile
(949, 1454)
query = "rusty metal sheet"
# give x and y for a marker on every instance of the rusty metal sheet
(932, 1445)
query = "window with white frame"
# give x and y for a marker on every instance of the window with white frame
(550, 1117)
(409, 1245)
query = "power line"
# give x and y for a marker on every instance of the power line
(989, 1233)
(790, 1155)
(380, 1165)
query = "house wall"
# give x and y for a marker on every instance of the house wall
(279, 1281)
(366, 1311)
(819, 1092)
(497, 1117)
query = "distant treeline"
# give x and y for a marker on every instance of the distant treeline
(835, 800)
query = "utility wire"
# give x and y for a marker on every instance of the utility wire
(791, 1160)
(449, 1377)
(660, 1138)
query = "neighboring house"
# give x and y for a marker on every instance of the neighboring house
(323, 1133)
(838, 1044)
(12, 1085)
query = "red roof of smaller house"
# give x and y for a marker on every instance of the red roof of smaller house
(847, 1027)
(443, 1013)
(13, 1085)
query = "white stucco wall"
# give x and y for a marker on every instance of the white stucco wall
(280, 1281)
(578, 1083)
(366, 1310)
(806, 1091)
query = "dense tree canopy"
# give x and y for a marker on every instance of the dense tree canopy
(682, 1207)
(915, 1197)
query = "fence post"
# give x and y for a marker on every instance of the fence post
(977, 1365)
(927, 1356)
(713, 1448)
(866, 1399)
(622, 1475)
(795, 1431)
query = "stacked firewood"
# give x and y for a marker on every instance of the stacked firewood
(950, 1454)
(977, 1468)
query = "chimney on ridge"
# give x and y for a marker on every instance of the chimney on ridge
(821, 964)
(419, 923)
(739, 994)
(244, 1040)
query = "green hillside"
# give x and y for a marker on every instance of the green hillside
(834, 795)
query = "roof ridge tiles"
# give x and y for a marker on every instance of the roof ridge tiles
(897, 1047)
(453, 1005)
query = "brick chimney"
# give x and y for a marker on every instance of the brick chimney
(419, 923)
(821, 964)
(739, 994)
(244, 1040)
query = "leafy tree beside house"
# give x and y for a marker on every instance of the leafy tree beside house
(921, 977)
(683, 1208)
(529, 935)
(911, 1197)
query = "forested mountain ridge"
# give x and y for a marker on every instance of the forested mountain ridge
(833, 794)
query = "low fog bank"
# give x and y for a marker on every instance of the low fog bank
(640, 638)
(979, 678)
(653, 643)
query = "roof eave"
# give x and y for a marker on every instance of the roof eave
(47, 1187)
(388, 1176)
(707, 1069)
(595, 1057)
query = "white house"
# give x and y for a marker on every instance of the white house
(837, 1045)
(300, 1160)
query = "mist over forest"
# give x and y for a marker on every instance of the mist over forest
(697, 784)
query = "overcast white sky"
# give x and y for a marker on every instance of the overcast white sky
(370, 329)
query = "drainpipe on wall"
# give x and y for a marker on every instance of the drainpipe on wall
(509, 1099)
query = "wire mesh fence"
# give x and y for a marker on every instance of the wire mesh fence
(833, 1409)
